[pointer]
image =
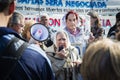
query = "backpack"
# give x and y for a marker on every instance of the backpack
(9, 58)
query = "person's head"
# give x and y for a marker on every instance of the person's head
(102, 61)
(44, 19)
(26, 31)
(16, 22)
(118, 17)
(117, 35)
(61, 39)
(71, 19)
(117, 31)
(7, 7)
(94, 19)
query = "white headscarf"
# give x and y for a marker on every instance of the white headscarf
(67, 37)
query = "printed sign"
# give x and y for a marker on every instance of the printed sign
(32, 7)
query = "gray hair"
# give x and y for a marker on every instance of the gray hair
(58, 32)
(16, 18)
(44, 14)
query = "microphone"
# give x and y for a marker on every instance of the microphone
(60, 48)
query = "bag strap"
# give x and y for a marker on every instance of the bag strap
(12, 54)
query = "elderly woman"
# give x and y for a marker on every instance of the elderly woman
(65, 58)
(26, 32)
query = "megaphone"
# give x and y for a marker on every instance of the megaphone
(39, 32)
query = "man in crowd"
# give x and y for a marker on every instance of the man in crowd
(111, 33)
(44, 20)
(16, 62)
(16, 22)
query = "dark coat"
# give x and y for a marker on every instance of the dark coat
(31, 65)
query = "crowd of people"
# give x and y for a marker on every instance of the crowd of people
(64, 55)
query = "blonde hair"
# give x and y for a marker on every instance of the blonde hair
(27, 27)
(102, 61)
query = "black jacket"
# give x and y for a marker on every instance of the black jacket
(32, 65)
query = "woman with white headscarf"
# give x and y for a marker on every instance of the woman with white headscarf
(65, 58)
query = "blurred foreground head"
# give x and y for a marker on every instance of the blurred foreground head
(7, 8)
(5, 4)
(118, 17)
(102, 61)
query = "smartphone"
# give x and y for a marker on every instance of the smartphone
(60, 48)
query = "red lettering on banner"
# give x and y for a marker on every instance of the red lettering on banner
(38, 19)
(51, 21)
(108, 23)
(54, 22)
(26, 18)
(34, 18)
(57, 22)
(105, 22)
